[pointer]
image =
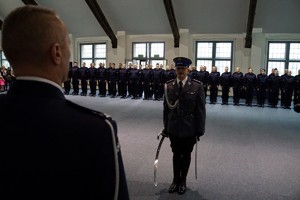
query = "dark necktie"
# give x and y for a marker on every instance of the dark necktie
(180, 86)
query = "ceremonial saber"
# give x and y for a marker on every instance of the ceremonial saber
(156, 157)
(196, 160)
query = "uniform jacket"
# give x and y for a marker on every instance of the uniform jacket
(188, 117)
(51, 148)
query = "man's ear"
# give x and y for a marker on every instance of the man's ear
(56, 53)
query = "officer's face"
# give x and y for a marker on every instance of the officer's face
(182, 72)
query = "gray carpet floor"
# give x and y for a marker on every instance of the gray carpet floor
(247, 153)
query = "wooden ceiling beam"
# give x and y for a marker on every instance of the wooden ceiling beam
(30, 2)
(251, 15)
(172, 21)
(95, 8)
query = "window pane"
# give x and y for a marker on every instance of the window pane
(100, 51)
(277, 50)
(222, 64)
(207, 63)
(204, 49)
(294, 67)
(295, 51)
(157, 50)
(87, 62)
(87, 51)
(139, 49)
(278, 65)
(223, 50)
(98, 61)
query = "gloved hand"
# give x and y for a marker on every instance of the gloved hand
(164, 133)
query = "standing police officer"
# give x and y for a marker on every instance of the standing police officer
(184, 120)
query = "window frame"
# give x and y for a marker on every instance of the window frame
(148, 59)
(286, 60)
(213, 57)
(93, 58)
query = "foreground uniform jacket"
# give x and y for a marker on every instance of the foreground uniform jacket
(187, 118)
(51, 148)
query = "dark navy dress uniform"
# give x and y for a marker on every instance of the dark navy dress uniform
(102, 77)
(203, 77)
(50, 155)
(134, 80)
(83, 74)
(213, 81)
(157, 82)
(237, 82)
(146, 79)
(288, 88)
(297, 89)
(67, 83)
(225, 82)
(184, 118)
(249, 83)
(261, 87)
(123, 81)
(75, 79)
(274, 87)
(92, 75)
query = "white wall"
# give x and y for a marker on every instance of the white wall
(242, 57)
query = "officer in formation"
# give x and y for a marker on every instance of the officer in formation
(297, 88)
(148, 82)
(213, 82)
(184, 120)
(225, 82)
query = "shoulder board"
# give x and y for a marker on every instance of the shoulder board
(170, 81)
(87, 110)
(197, 81)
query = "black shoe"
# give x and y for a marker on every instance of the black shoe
(173, 188)
(182, 188)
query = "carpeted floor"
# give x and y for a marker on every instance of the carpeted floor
(247, 153)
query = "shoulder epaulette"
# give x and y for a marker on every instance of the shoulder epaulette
(169, 81)
(197, 81)
(87, 110)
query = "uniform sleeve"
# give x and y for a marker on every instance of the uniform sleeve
(200, 111)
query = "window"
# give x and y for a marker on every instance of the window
(217, 54)
(3, 60)
(283, 55)
(148, 53)
(95, 53)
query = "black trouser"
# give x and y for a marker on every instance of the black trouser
(134, 88)
(236, 94)
(249, 95)
(261, 96)
(274, 97)
(122, 88)
(75, 84)
(84, 86)
(225, 93)
(156, 90)
(112, 88)
(67, 86)
(93, 85)
(287, 97)
(296, 96)
(102, 87)
(213, 90)
(146, 90)
(182, 149)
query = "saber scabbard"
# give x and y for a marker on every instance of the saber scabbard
(156, 157)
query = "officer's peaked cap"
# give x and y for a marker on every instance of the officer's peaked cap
(182, 62)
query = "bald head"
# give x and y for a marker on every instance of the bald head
(28, 33)
(34, 41)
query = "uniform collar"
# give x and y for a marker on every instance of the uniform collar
(183, 81)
